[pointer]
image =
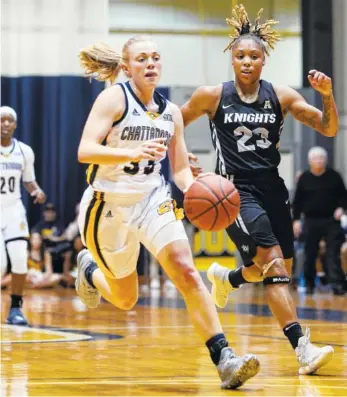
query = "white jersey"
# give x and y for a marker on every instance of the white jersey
(16, 162)
(136, 179)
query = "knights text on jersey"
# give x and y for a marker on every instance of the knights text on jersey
(246, 136)
(136, 126)
(16, 162)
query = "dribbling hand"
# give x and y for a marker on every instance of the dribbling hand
(320, 82)
(150, 150)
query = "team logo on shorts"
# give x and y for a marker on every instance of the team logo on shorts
(171, 205)
(245, 248)
(22, 226)
(165, 207)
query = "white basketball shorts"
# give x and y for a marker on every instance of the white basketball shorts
(112, 228)
(14, 225)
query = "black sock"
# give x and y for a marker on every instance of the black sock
(293, 332)
(16, 301)
(215, 346)
(236, 278)
(89, 273)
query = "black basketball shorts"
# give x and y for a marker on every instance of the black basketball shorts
(264, 220)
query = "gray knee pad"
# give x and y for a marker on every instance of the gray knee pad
(18, 253)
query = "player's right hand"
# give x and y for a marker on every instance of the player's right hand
(195, 168)
(39, 196)
(154, 149)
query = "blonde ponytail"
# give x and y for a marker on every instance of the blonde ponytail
(101, 62)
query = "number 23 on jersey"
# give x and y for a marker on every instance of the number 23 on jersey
(246, 135)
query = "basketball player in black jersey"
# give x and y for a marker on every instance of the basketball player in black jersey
(246, 120)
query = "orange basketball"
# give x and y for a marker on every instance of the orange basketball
(212, 203)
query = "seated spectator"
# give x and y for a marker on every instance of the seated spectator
(49, 225)
(60, 249)
(40, 270)
(71, 232)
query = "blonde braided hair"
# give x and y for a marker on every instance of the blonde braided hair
(267, 36)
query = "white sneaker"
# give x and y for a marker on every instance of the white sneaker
(221, 287)
(310, 357)
(89, 295)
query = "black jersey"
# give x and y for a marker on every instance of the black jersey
(246, 135)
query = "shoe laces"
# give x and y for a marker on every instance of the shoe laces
(227, 354)
(305, 347)
(91, 289)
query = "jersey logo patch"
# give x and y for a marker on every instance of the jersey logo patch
(227, 106)
(153, 115)
(136, 113)
(167, 117)
(267, 104)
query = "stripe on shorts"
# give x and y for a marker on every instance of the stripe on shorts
(91, 233)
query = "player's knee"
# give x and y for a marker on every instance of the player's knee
(17, 251)
(126, 303)
(276, 273)
(186, 277)
(275, 267)
(127, 300)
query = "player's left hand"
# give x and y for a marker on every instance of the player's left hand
(320, 82)
(39, 196)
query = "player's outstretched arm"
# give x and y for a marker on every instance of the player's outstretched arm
(326, 122)
(178, 153)
(203, 101)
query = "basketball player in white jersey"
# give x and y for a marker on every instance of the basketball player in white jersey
(128, 132)
(16, 164)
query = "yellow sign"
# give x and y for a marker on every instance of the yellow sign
(214, 246)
